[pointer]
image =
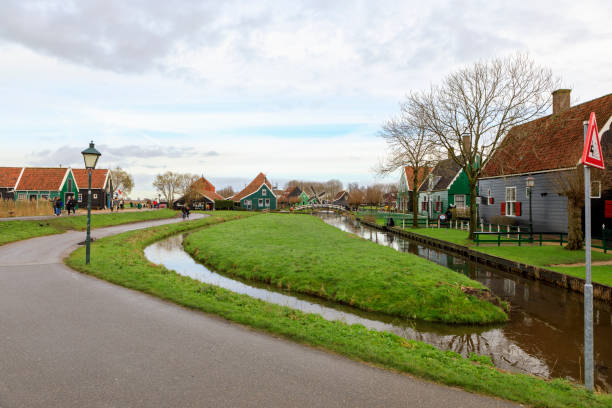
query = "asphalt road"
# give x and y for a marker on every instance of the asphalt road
(70, 340)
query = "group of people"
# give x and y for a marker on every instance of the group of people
(117, 204)
(71, 206)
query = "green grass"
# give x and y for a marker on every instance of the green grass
(451, 235)
(11, 231)
(305, 255)
(120, 259)
(541, 256)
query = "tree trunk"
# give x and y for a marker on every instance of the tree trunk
(575, 240)
(415, 208)
(473, 218)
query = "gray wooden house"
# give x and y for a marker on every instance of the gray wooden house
(548, 149)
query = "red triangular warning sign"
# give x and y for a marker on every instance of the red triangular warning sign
(592, 155)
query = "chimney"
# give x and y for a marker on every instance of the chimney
(467, 143)
(561, 100)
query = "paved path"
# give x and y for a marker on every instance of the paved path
(70, 340)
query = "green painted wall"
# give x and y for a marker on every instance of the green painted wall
(51, 195)
(460, 186)
(303, 199)
(256, 196)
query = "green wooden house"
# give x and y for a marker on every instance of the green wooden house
(258, 195)
(446, 186)
(40, 183)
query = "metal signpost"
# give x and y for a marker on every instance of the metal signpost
(591, 156)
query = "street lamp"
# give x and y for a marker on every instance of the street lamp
(91, 156)
(530, 183)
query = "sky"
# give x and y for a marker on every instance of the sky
(228, 89)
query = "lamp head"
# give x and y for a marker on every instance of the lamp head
(91, 156)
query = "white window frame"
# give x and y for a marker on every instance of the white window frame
(260, 202)
(80, 198)
(464, 204)
(21, 196)
(598, 184)
(264, 192)
(95, 196)
(267, 202)
(510, 204)
(44, 197)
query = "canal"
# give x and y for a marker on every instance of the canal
(543, 336)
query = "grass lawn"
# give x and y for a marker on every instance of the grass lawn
(451, 235)
(305, 255)
(120, 259)
(541, 256)
(11, 231)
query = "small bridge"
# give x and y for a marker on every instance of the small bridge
(331, 207)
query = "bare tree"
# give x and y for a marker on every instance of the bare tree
(120, 180)
(168, 184)
(571, 185)
(226, 192)
(409, 145)
(186, 186)
(473, 108)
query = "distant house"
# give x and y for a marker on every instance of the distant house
(101, 187)
(9, 177)
(406, 187)
(44, 183)
(446, 185)
(548, 149)
(257, 195)
(341, 199)
(292, 196)
(202, 196)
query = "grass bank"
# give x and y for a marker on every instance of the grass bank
(546, 256)
(305, 255)
(120, 259)
(17, 230)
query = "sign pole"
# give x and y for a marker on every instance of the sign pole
(588, 287)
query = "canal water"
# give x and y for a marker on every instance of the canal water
(543, 337)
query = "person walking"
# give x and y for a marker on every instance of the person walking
(57, 204)
(73, 205)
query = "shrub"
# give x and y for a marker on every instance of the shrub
(224, 205)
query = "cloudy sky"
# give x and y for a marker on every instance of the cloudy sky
(228, 89)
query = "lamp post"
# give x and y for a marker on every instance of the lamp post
(91, 156)
(530, 184)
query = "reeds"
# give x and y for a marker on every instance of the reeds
(24, 208)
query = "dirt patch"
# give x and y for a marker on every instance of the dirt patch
(482, 294)
(596, 263)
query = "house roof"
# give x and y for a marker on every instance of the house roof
(98, 178)
(339, 195)
(548, 143)
(9, 176)
(444, 173)
(409, 172)
(202, 184)
(253, 187)
(211, 195)
(42, 178)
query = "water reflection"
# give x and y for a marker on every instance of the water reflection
(461, 339)
(546, 323)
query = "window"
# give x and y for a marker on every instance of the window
(69, 184)
(94, 196)
(264, 192)
(595, 189)
(80, 198)
(21, 196)
(460, 200)
(261, 202)
(510, 200)
(44, 197)
(267, 202)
